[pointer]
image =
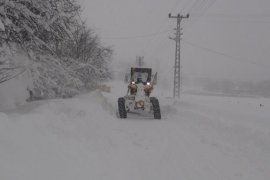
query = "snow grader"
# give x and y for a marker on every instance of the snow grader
(137, 99)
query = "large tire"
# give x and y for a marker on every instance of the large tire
(122, 108)
(156, 107)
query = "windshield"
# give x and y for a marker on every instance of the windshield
(140, 77)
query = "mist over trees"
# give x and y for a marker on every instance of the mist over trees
(64, 55)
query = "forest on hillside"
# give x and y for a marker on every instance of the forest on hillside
(49, 41)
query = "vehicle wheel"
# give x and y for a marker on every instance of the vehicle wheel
(122, 108)
(156, 107)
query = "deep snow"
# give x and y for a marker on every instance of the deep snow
(199, 138)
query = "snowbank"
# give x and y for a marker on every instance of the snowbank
(14, 92)
(205, 138)
(13, 89)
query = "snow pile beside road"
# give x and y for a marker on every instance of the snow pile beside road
(206, 138)
(14, 92)
(53, 139)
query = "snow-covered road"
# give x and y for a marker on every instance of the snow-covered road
(199, 138)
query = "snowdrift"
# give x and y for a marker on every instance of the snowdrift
(206, 138)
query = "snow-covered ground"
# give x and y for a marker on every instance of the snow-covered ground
(199, 138)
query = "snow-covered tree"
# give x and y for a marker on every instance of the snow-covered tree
(65, 55)
(91, 59)
(39, 24)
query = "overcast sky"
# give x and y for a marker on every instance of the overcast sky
(222, 38)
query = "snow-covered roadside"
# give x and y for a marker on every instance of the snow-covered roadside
(15, 80)
(56, 139)
(201, 137)
(14, 92)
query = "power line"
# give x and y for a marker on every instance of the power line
(202, 4)
(139, 36)
(208, 5)
(232, 16)
(158, 41)
(235, 18)
(194, 5)
(202, 11)
(224, 54)
(232, 21)
(198, 6)
(185, 6)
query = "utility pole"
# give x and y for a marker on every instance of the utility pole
(177, 67)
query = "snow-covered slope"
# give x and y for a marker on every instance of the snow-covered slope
(199, 138)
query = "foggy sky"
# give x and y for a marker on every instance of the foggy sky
(222, 38)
